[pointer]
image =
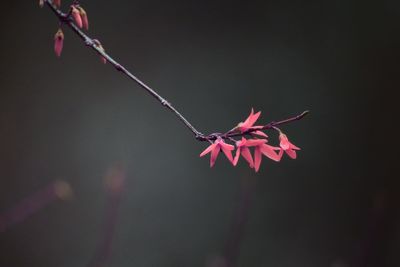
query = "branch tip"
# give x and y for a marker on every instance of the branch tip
(305, 113)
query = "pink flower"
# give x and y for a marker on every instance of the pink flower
(58, 42)
(41, 3)
(215, 148)
(287, 146)
(77, 16)
(83, 14)
(249, 122)
(242, 149)
(57, 3)
(261, 148)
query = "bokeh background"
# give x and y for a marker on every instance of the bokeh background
(72, 119)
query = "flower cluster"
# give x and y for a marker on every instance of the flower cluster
(257, 141)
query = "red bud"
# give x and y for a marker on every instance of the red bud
(58, 42)
(77, 16)
(84, 17)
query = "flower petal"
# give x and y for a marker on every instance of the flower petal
(291, 153)
(284, 142)
(214, 155)
(247, 156)
(294, 147)
(257, 159)
(260, 133)
(251, 119)
(242, 142)
(247, 121)
(255, 142)
(236, 159)
(284, 145)
(254, 118)
(208, 150)
(227, 149)
(268, 151)
(280, 154)
(226, 146)
(257, 127)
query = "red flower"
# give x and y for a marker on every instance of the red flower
(287, 146)
(58, 42)
(215, 148)
(242, 149)
(249, 122)
(261, 148)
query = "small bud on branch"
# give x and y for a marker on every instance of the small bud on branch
(58, 42)
(99, 46)
(84, 17)
(77, 16)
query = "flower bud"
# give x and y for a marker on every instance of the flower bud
(58, 42)
(99, 46)
(77, 16)
(84, 17)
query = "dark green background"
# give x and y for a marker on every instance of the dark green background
(71, 118)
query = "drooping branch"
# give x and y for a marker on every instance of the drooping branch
(66, 18)
(76, 19)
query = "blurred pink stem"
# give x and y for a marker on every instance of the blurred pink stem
(115, 184)
(29, 206)
(239, 221)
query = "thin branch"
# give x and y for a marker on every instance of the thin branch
(65, 18)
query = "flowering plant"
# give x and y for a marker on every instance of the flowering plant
(77, 20)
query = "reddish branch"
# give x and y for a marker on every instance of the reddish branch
(67, 19)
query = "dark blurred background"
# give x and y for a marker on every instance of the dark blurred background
(73, 119)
